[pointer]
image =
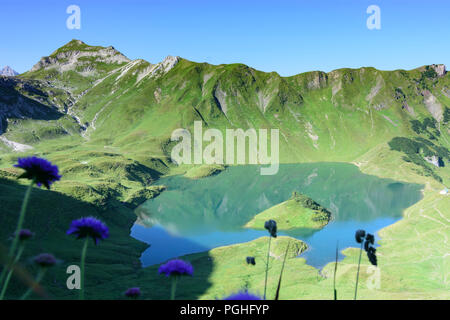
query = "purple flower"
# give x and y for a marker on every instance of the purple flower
(25, 234)
(176, 267)
(242, 296)
(45, 260)
(40, 170)
(89, 227)
(133, 292)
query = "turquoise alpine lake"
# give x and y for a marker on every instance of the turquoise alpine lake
(195, 215)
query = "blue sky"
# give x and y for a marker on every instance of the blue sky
(288, 37)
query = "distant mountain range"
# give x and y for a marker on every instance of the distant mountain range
(98, 95)
(8, 72)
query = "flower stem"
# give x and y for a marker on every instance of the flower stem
(8, 277)
(335, 271)
(83, 258)
(174, 287)
(38, 279)
(15, 242)
(267, 267)
(357, 273)
(277, 294)
(13, 247)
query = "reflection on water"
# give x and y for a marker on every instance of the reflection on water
(197, 215)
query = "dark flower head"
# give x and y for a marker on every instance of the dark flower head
(25, 234)
(133, 293)
(176, 267)
(366, 245)
(370, 238)
(359, 236)
(271, 226)
(89, 227)
(40, 170)
(251, 260)
(242, 296)
(45, 260)
(372, 256)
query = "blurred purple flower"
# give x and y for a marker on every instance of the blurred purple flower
(25, 234)
(133, 292)
(242, 296)
(89, 227)
(38, 169)
(45, 260)
(176, 267)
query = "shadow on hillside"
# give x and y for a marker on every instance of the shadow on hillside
(49, 216)
(15, 105)
(155, 286)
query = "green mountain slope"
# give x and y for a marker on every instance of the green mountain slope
(299, 211)
(134, 106)
(238, 96)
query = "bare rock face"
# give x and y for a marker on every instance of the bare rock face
(433, 105)
(8, 72)
(317, 79)
(159, 69)
(434, 160)
(440, 69)
(165, 66)
(169, 62)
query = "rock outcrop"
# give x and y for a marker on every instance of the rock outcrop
(440, 69)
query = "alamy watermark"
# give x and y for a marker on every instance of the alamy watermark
(74, 280)
(373, 281)
(374, 20)
(190, 149)
(74, 20)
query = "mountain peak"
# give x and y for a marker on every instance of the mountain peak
(76, 54)
(169, 62)
(8, 72)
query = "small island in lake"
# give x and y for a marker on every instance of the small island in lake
(204, 171)
(299, 211)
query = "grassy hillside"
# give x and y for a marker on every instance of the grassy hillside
(298, 212)
(219, 272)
(203, 171)
(49, 216)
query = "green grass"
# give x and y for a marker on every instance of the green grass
(298, 212)
(203, 171)
(219, 273)
(49, 216)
